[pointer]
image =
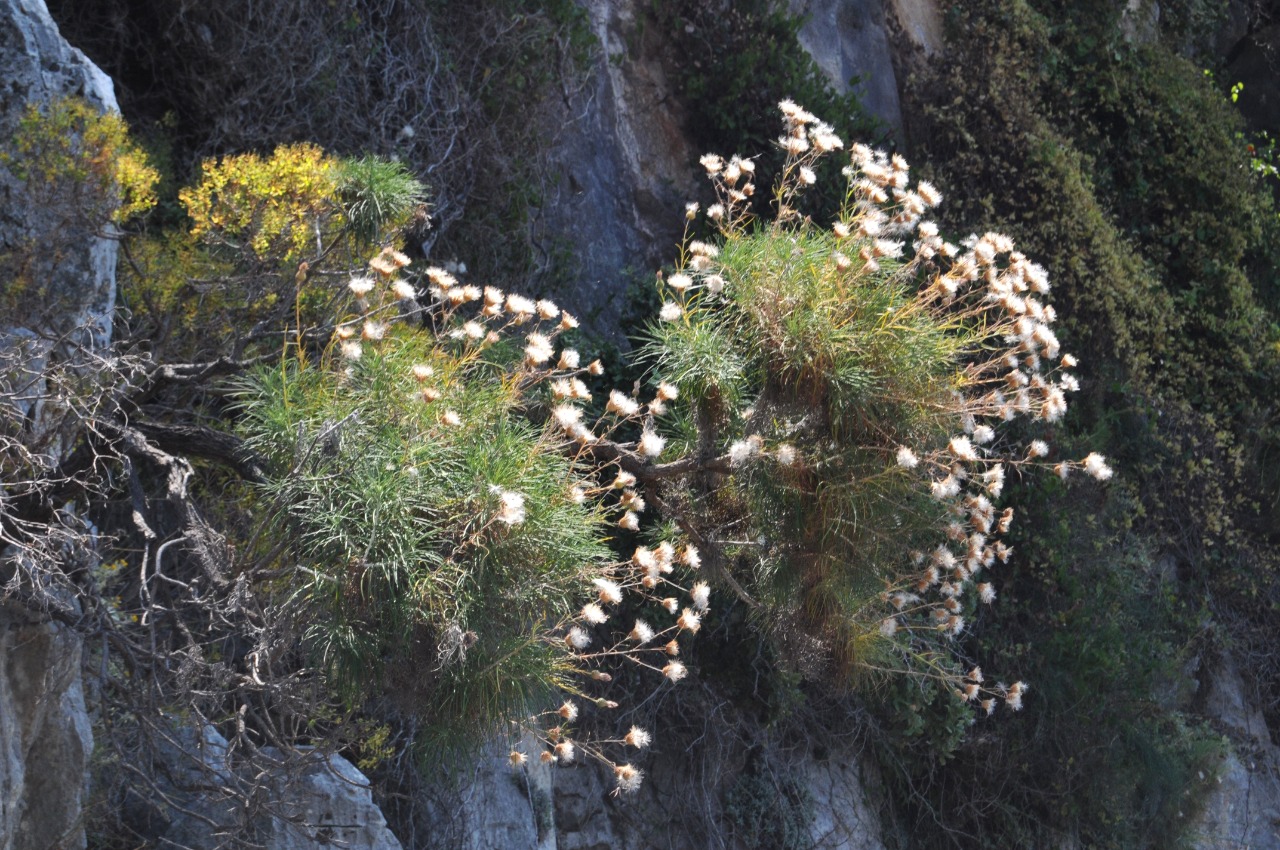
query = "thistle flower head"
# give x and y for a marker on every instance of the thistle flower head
(962, 449)
(520, 306)
(650, 444)
(1096, 465)
(689, 621)
(511, 507)
(637, 738)
(628, 778)
(609, 591)
(741, 451)
(577, 638)
(538, 349)
(679, 281)
(622, 404)
(383, 265)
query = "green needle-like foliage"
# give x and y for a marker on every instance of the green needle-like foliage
(378, 196)
(854, 380)
(412, 579)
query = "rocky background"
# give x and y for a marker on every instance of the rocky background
(604, 149)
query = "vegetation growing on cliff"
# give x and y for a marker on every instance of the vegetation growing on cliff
(424, 489)
(1114, 163)
(1115, 160)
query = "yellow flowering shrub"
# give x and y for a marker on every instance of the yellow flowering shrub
(272, 205)
(67, 151)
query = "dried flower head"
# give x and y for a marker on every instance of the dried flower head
(609, 591)
(637, 738)
(650, 444)
(689, 621)
(1096, 465)
(642, 632)
(511, 508)
(622, 404)
(701, 592)
(629, 778)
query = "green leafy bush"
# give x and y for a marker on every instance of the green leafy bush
(1120, 167)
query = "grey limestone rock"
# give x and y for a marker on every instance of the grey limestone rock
(45, 736)
(300, 802)
(1243, 807)
(45, 739)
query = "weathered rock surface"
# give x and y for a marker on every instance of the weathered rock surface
(1243, 810)
(45, 738)
(845, 816)
(37, 65)
(502, 807)
(625, 167)
(856, 46)
(300, 804)
(45, 734)
(850, 42)
(680, 804)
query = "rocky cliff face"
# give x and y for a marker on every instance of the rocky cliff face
(680, 804)
(45, 735)
(624, 165)
(38, 65)
(1243, 808)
